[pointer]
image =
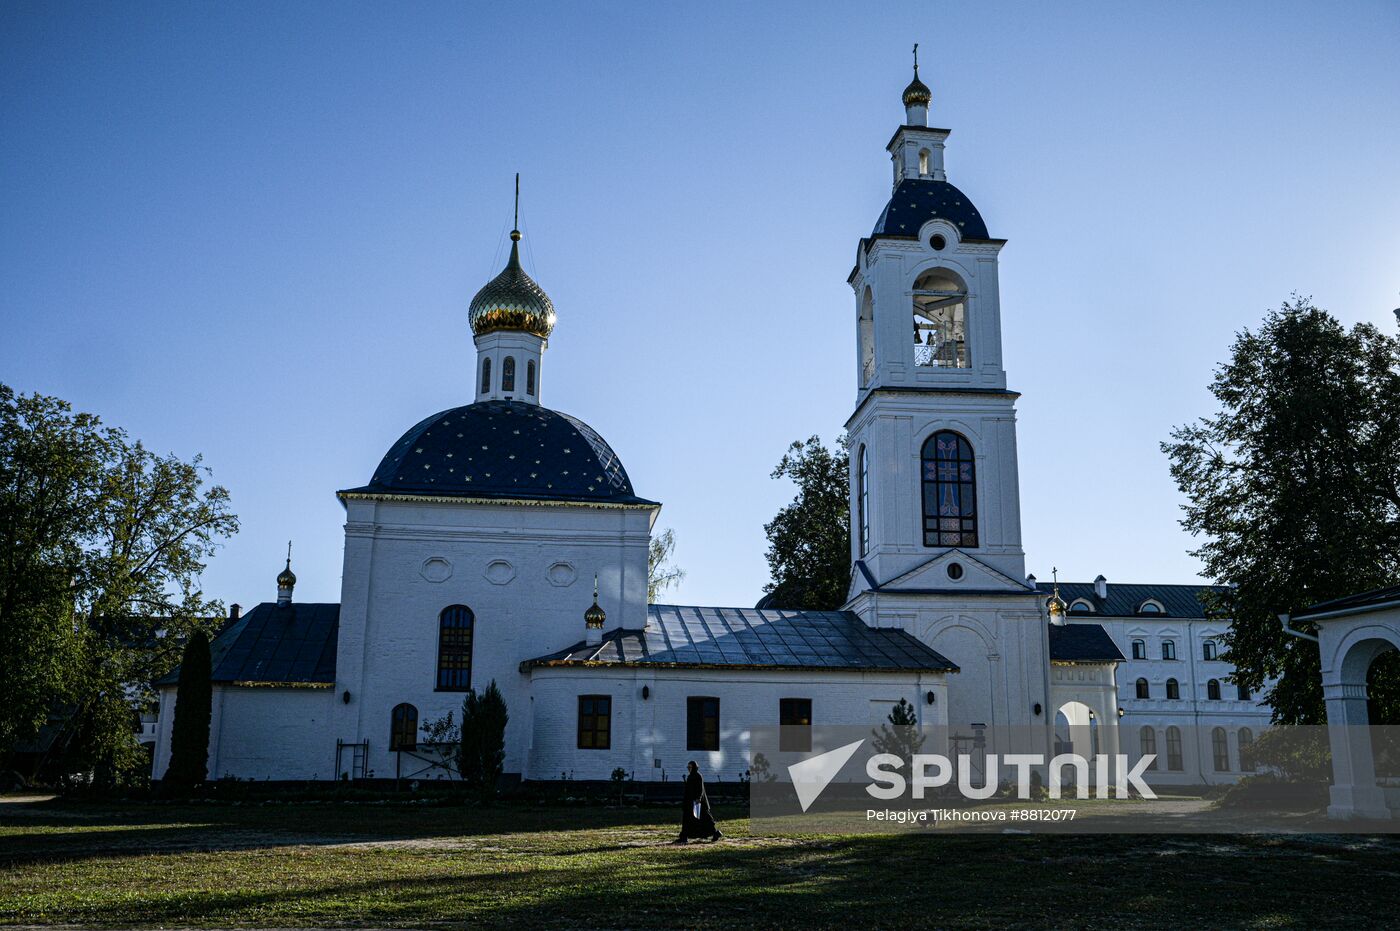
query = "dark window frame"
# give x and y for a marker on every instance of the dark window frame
(403, 727)
(1220, 750)
(1173, 690)
(795, 725)
(1213, 690)
(702, 723)
(1147, 745)
(1139, 649)
(530, 377)
(949, 483)
(1176, 762)
(863, 500)
(486, 375)
(1144, 689)
(595, 722)
(1208, 650)
(456, 640)
(1169, 649)
(508, 374)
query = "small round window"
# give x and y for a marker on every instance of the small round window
(955, 571)
(938, 242)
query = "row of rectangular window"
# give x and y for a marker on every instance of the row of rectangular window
(1208, 649)
(1144, 690)
(1219, 745)
(701, 723)
(508, 375)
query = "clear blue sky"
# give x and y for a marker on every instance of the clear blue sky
(252, 231)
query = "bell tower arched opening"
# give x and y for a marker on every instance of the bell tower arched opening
(940, 321)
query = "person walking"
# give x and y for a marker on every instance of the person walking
(697, 820)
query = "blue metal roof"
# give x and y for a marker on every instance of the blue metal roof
(1082, 643)
(915, 201)
(751, 638)
(503, 449)
(1125, 599)
(1354, 603)
(274, 644)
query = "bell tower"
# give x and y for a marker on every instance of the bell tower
(933, 435)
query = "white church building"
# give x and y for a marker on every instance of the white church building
(503, 541)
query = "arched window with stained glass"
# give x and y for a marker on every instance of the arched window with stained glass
(950, 491)
(456, 625)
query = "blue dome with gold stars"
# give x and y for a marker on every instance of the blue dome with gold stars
(503, 449)
(917, 200)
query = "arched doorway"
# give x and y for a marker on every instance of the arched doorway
(1356, 641)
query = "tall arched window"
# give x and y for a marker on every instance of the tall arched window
(454, 670)
(485, 375)
(508, 374)
(403, 727)
(1139, 649)
(1143, 689)
(530, 377)
(1174, 761)
(950, 491)
(1173, 689)
(866, 337)
(1207, 649)
(1147, 741)
(863, 500)
(1246, 747)
(940, 321)
(1168, 649)
(1213, 690)
(1220, 750)
(923, 163)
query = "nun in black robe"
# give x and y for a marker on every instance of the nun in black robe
(697, 821)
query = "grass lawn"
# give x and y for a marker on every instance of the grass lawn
(303, 864)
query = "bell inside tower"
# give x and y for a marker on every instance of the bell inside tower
(940, 321)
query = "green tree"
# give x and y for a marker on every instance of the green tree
(102, 543)
(189, 733)
(1294, 484)
(809, 540)
(483, 735)
(50, 462)
(901, 736)
(662, 573)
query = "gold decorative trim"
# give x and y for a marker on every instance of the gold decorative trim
(459, 499)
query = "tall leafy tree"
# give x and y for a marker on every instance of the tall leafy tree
(1294, 486)
(101, 546)
(809, 540)
(189, 733)
(662, 573)
(51, 462)
(483, 748)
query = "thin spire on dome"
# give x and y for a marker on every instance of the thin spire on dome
(286, 579)
(515, 227)
(917, 93)
(512, 300)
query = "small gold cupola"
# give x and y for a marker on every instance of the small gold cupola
(594, 618)
(1056, 604)
(286, 579)
(512, 301)
(916, 97)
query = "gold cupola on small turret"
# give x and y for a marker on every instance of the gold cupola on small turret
(512, 301)
(594, 619)
(917, 93)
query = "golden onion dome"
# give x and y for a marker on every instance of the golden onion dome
(595, 616)
(512, 301)
(286, 578)
(917, 93)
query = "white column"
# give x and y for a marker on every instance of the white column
(1354, 793)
